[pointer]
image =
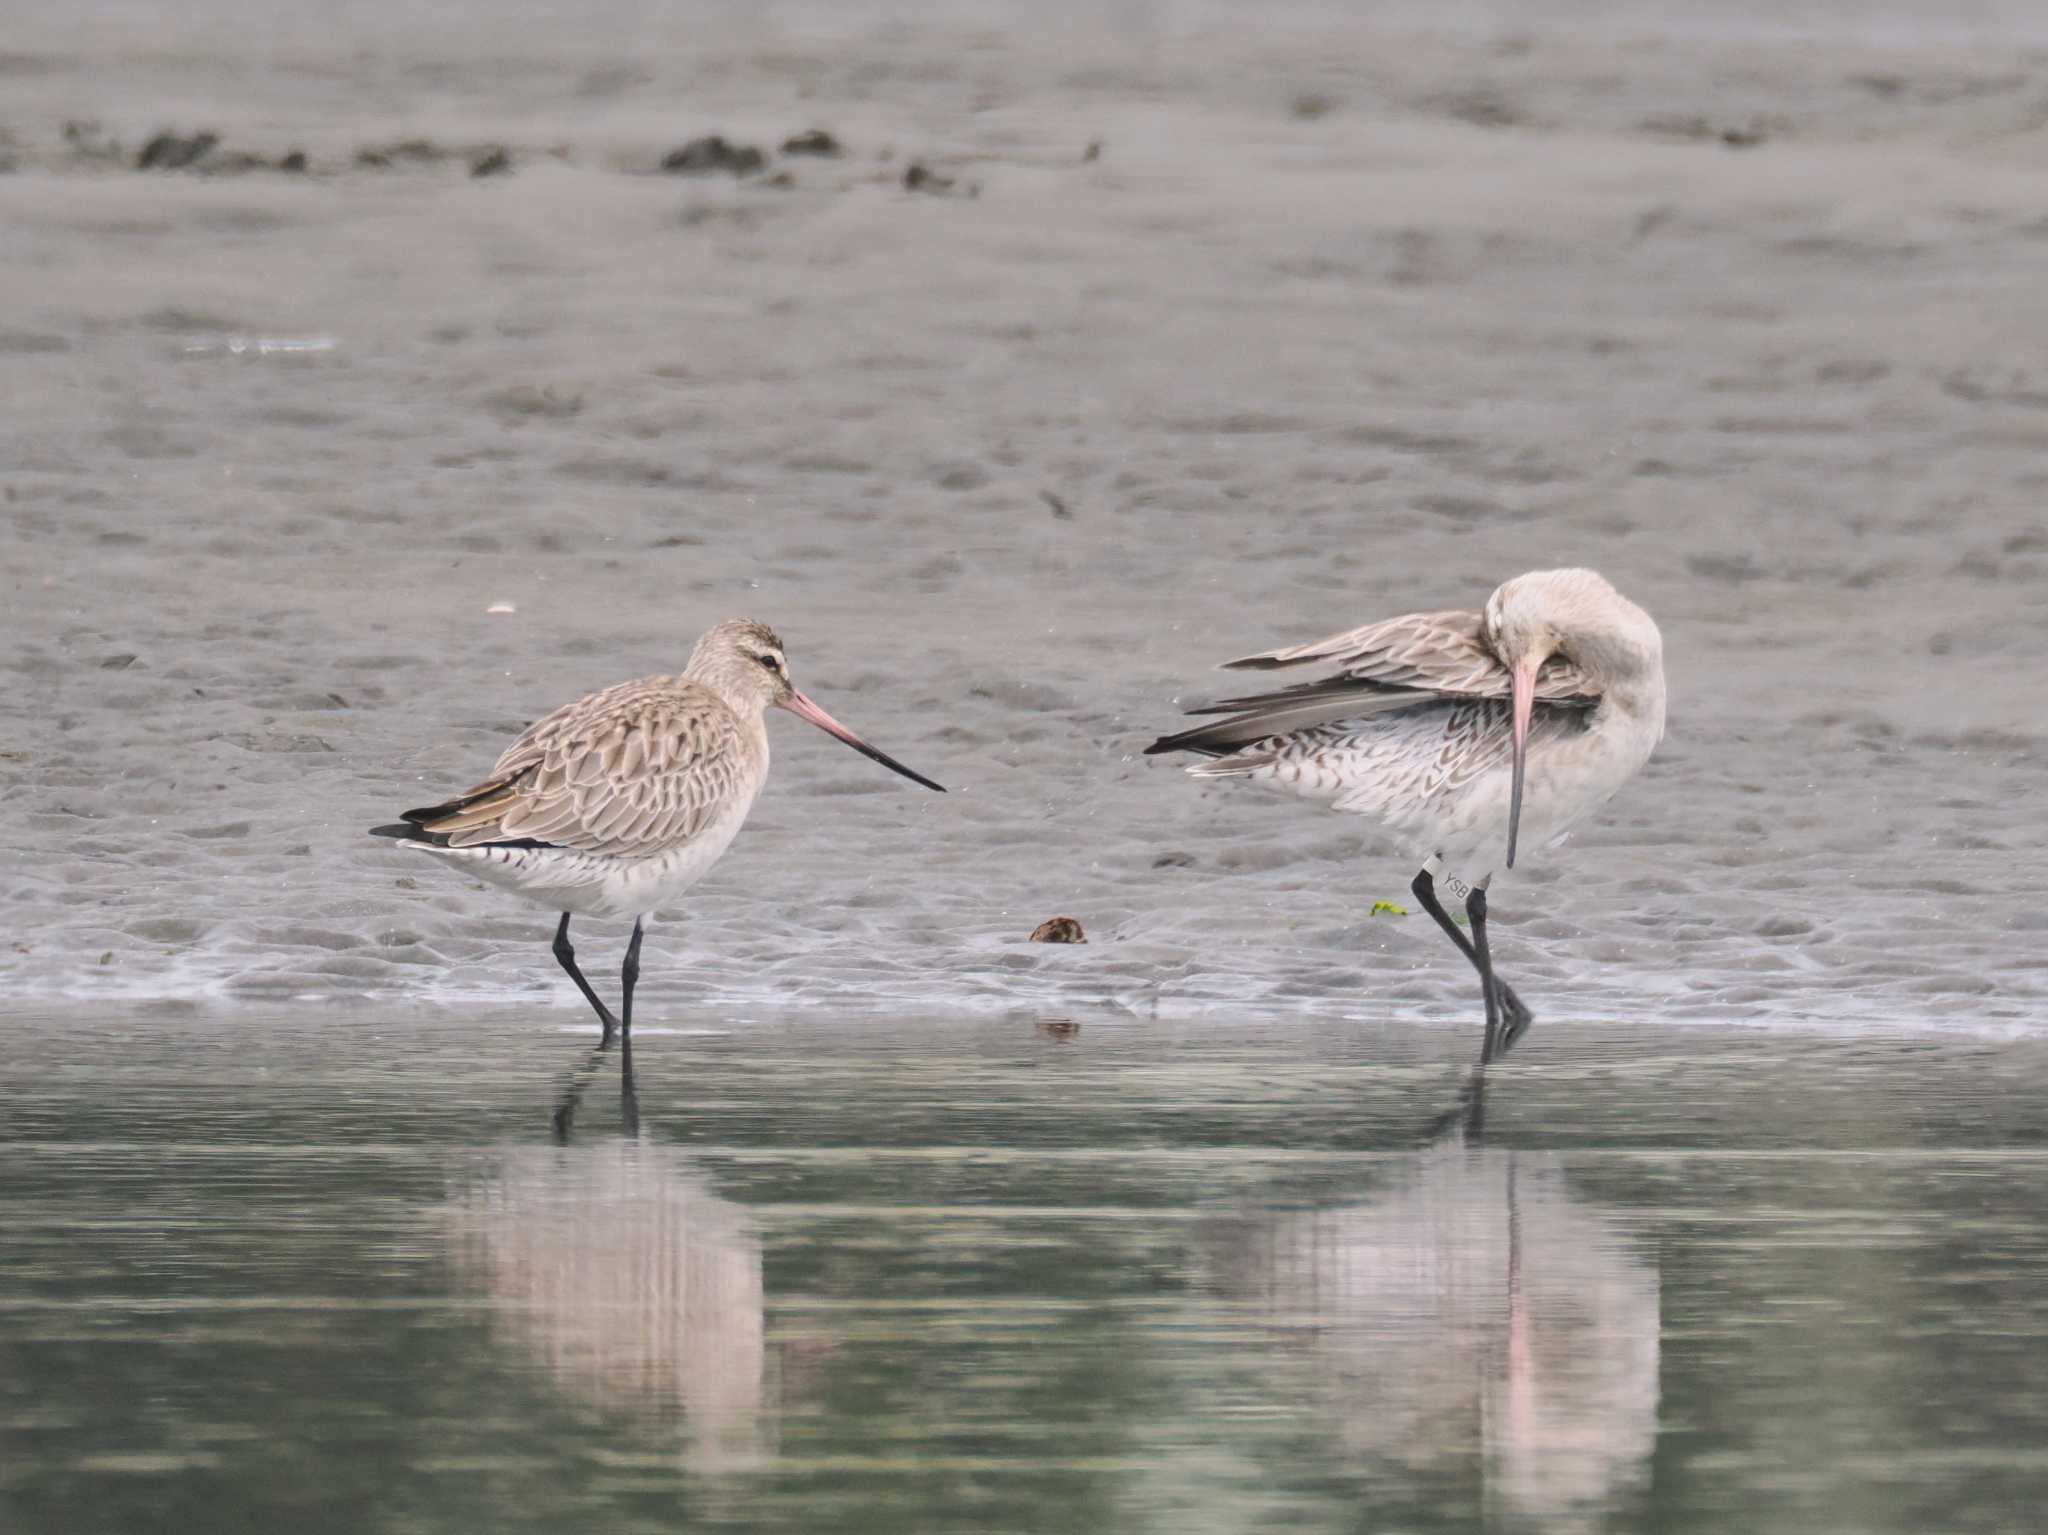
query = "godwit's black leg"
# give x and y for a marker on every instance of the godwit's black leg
(1506, 1019)
(1482, 959)
(567, 957)
(630, 975)
(1424, 889)
(1511, 1008)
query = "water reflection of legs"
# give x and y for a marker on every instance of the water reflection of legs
(1464, 1122)
(572, 1090)
(629, 1094)
(629, 976)
(571, 1098)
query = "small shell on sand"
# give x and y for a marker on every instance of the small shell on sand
(1059, 930)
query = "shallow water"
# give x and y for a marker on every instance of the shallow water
(1018, 1273)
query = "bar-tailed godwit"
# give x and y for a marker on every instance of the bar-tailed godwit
(1438, 725)
(621, 801)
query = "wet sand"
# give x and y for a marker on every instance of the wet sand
(1214, 339)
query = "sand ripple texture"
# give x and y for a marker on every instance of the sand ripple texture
(1328, 325)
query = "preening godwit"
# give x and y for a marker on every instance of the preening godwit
(1439, 725)
(622, 800)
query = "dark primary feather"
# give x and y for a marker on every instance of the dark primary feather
(480, 806)
(1263, 715)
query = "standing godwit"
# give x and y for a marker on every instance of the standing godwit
(622, 800)
(1438, 722)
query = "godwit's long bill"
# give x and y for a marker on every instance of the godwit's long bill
(1457, 732)
(621, 801)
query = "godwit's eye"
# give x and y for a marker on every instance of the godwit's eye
(773, 663)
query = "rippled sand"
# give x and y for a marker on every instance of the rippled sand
(1330, 323)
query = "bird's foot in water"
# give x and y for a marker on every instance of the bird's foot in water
(1515, 1017)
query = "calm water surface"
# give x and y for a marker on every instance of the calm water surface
(337, 1271)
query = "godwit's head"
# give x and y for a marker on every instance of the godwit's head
(1578, 616)
(743, 662)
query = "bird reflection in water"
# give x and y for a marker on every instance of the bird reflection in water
(1476, 1308)
(615, 1267)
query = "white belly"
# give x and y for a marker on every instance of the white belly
(1468, 825)
(593, 884)
(1396, 771)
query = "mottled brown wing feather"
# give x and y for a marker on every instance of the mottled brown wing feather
(1394, 664)
(637, 769)
(1443, 653)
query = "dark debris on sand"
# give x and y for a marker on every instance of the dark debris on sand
(241, 163)
(482, 159)
(919, 177)
(1059, 930)
(816, 141)
(1742, 135)
(711, 154)
(416, 151)
(176, 151)
(200, 152)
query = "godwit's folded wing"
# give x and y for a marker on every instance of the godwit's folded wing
(637, 769)
(1399, 663)
(1443, 653)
